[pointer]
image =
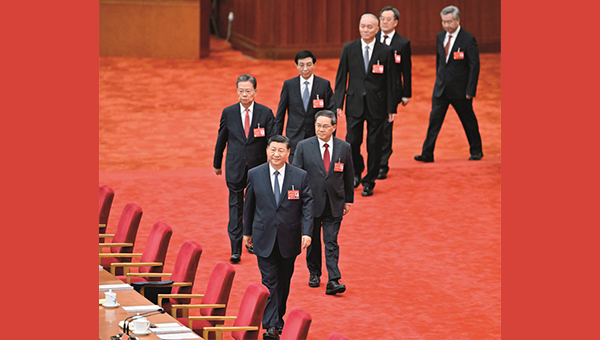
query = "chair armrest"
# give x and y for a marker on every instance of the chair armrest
(115, 245)
(127, 265)
(120, 255)
(106, 235)
(174, 296)
(186, 309)
(102, 225)
(220, 329)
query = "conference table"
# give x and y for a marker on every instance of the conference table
(110, 317)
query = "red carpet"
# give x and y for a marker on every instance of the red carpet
(420, 258)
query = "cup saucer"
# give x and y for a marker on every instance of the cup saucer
(146, 332)
(111, 306)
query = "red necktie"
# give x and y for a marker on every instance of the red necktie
(385, 38)
(326, 157)
(247, 123)
(447, 47)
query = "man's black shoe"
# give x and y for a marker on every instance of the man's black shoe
(382, 174)
(367, 190)
(356, 182)
(250, 249)
(235, 258)
(424, 159)
(476, 157)
(314, 281)
(271, 333)
(334, 287)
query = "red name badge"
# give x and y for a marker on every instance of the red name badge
(398, 58)
(459, 55)
(377, 68)
(339, 167)
(318, 103)
(259, 132)
(293, 194)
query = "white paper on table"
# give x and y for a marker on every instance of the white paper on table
(123, 286)
(167, 324)
(167, 330)
(178, 336)
(139, 309)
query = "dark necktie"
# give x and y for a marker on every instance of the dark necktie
(276, 189)
(326, 157)
(385, 38)
(447, 47)
(247, 123)
(305, 96)
(366, 56)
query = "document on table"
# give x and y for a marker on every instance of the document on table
(178, 336)
(123, 286)
(139, 309)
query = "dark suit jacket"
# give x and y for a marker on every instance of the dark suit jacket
(285, 221)
(239, 149)
(338, 186)
(401, 46)
(380, 89)
(457, 78)
(300, 123)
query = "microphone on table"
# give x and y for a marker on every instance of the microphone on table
(130, 318)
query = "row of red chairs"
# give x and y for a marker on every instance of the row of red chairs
(175, 294)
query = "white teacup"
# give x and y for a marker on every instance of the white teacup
(141, 325)
(110, 298)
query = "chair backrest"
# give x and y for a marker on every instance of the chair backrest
(127, 228)
(106, 198)
(296, 325)
(156, 248)
(185, 268)
(218, 288)
(337, 336)
(251, 311)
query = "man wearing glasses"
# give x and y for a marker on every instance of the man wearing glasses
(328, 161)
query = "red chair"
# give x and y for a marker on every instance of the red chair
(151, 260)
(106, 198)
(337, 336)
(181, 279)
(246, 324)
(296, 325)
(214, 300)
(123, 240)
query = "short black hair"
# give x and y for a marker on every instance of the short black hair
(328, 114)
(279, 139)
(246, 77)
(305, 54)
(390, 8)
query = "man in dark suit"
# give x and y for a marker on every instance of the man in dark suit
(388, 20)
(457, 73)
(299, 98)
(367, 66)
(245, 128)
(328, 161)
(278, 214)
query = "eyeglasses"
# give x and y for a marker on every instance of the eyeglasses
(386, 18)
(247, 91)
(324, 127)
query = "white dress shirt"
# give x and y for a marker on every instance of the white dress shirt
(243, 113)
(322, 148)
(454, 35)
(310, 84)
(279, 178)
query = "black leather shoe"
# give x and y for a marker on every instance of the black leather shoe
(235, 258)
(334, 287)
(314, 281)
(271, 333)
(424, 159)
(250, 249)
(382, 174)
(356, 182)
(280, 330)
(367, 190)
(476, 157)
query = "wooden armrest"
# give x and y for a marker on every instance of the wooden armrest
(220, 329)
(115, 245)
(186, 310)
(102, 225)
(127, 265)
(106, 235)
(174, 296)
(150, 274)
(120, 255)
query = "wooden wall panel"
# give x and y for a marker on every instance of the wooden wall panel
(278, 29)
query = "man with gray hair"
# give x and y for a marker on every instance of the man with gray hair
(367, 67)
(457, 73)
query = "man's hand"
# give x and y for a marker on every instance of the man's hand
(392, 116)
(306, 240)
(405, 101)
(347, 208)
(217, 171)
(248, 241)
(469, 97)
(339, 113)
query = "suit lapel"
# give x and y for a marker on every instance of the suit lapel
(285, 186)
(316, 152)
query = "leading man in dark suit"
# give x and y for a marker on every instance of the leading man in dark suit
(388, 20)
(278, 214)
(298, 97)
(245, 128)
(367, 66)
(457, 62)
(328, 161)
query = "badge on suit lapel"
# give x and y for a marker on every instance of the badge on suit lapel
(339, 166)
(377, 68)
(293, 194)
(459, 55)
(259, 132)
(318, 103)
(397, 57)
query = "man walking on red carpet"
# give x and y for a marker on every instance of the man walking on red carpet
(328, 161)
(245, 128)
